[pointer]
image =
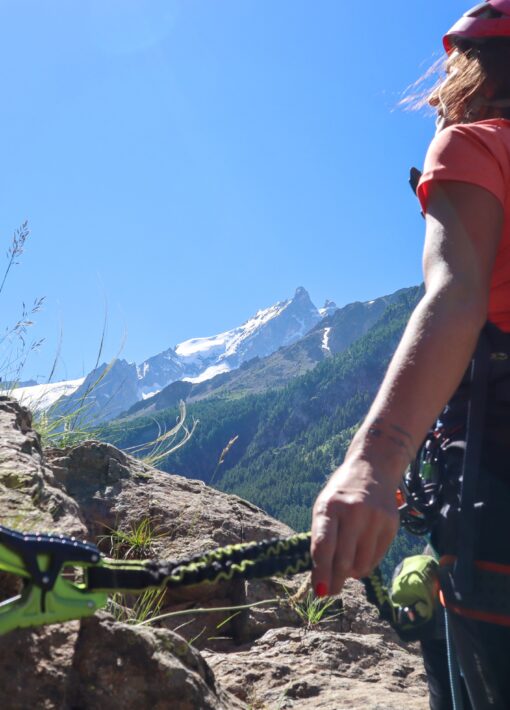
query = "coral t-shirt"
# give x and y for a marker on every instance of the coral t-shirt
(478, 153)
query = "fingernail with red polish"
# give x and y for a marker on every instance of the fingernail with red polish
(321, 589)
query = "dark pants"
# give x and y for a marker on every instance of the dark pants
(483, 652)
(435, 660)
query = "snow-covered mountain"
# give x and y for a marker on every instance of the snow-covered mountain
(200, 359)
(112, 389)
(45, 395)
(332, 335)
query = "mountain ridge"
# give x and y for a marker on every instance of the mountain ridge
(112, 388)
(331, 336)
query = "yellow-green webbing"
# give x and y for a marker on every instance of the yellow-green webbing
(282, 556)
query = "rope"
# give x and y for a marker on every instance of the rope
(284, 556)
(278, 556)
(56, 598)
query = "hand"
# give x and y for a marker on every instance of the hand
(355, 519)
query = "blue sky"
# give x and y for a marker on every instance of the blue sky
(183, 163)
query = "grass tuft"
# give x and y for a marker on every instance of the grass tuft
(314, 610)
(137, 542)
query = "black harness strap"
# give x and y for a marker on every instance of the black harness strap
(462, 578)
(465, 585)
(490, 595)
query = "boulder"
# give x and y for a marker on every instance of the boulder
(117, 494)
(115, 491)
(101, 664)
(30, 497)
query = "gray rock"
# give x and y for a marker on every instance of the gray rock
(102, 665)
(121, 666)
(116, 491)
(296, 668)
(30, 497)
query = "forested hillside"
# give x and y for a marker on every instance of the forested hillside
(284, 443)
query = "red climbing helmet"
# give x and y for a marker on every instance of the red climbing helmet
(487, 19)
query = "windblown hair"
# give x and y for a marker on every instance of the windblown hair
(479, 73)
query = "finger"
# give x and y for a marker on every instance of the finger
(384, 541)
(364, 561)
(373, 544)
(343, 560)
(324, 539)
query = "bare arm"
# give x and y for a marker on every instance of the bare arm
(355, 515)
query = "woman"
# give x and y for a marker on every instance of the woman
(465, 196)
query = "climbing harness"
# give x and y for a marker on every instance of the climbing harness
(419, 494)
(445, 475)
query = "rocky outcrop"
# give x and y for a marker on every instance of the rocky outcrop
(261, 657)
(30, 497)
(116, 492)
(292, 668)
(101, 664)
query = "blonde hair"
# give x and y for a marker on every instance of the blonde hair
(477, 84)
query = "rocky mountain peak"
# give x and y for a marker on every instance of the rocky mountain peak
(195, 360)
(301, 292)
(328, 308)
